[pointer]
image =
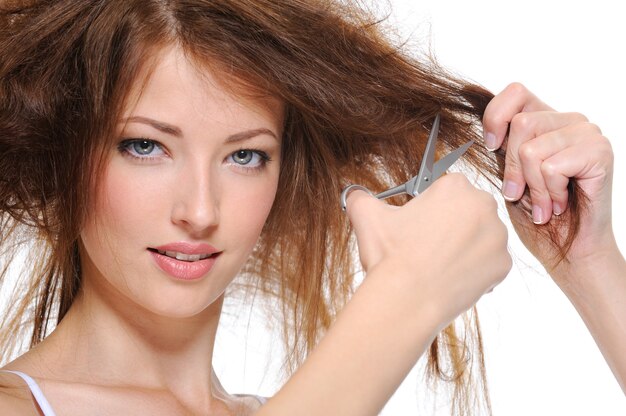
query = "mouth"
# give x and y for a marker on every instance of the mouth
(184, 257)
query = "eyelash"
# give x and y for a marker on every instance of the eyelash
(264, 159)
(124, 147)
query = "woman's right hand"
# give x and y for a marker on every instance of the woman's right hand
(426, 262)
(446, 247)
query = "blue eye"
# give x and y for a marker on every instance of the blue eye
(250, 158)
(141, 148)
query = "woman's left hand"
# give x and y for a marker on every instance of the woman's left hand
(544, 149)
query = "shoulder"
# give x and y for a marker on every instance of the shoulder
(15, 398)
(252, 401)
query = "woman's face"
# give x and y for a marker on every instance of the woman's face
(189, 185)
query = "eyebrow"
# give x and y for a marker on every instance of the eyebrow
(162, 127)
(177, 132)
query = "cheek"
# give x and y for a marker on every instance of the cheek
(247, 212)
(130, 198)
(122, 210)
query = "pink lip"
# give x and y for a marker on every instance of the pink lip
(188, 248)
(185, 270)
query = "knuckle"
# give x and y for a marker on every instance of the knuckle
(516, 88)
(504, 233)
(457, 176)
(548, 169)
(490, 202)
(581, 117)
(587, 128)
(485, 203)
(523, 122)
(527, 152)
(501, 256)
(606, 144)
(606, 149)
(497, 117)
(455, 179)
(592, 129)
(502, 238)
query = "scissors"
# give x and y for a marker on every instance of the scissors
(428, 173)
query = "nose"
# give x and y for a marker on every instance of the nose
(196, 202)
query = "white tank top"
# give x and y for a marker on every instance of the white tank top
(43, 402)
(37, 393)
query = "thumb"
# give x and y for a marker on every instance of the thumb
(364, 211)
(359, 206)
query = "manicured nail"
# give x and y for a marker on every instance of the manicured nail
(537, 214)
(509, 190)
(556, 208)
(490, 141)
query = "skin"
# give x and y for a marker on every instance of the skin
(419, 278)
(144, 324)
(544, 149)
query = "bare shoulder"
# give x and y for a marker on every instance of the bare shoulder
(15, 397)
(251, 401)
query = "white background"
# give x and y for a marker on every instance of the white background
(540, 358)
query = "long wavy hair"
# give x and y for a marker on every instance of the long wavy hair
(358, 110)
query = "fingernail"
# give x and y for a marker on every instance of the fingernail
(509, 190)
(537, 214)
(490, 141)
(556, 208)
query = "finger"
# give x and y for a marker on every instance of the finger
(544, 171)
(358, 207)
(533, 155)
(525, 127)
(514, 99)
(575, 161)
(556, 180)
(364, 212)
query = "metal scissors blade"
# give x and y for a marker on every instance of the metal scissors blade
(428, 173)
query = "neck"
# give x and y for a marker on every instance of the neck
(125, 344)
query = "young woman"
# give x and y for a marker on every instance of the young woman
(151, 151)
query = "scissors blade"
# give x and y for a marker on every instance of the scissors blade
(424, 176)
(429, 171)
(446, 162)
(398, 190)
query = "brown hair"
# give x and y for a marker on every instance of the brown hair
(358, 110)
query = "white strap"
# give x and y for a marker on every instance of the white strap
(37, 393)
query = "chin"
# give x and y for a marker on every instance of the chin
(184, 306)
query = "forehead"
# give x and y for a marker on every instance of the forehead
(172, 86)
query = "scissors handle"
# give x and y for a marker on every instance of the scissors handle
(398, 190)
(428, 172)
(346, 192)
